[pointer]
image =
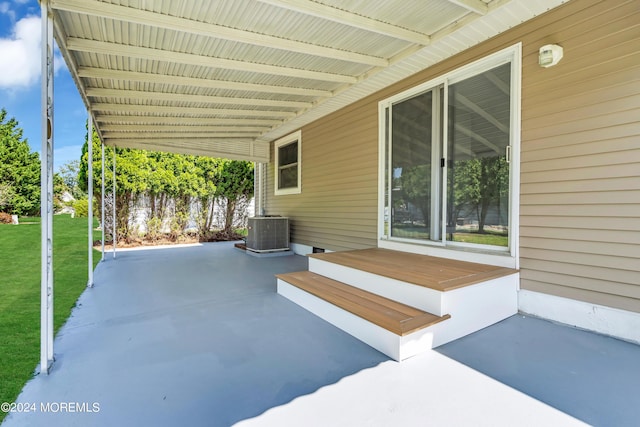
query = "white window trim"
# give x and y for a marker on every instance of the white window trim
(286, 140)
(511, 54)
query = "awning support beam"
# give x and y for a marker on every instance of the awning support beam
(46, 191)
(102, 203)
(113, 208)
(90, 199)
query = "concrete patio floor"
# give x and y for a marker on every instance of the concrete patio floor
(198, 336)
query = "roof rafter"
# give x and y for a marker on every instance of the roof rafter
(197, 141)
(194, 111)
(474, 135)
(143, 17)
(129, 120)
(481, 112)
(238, 148)
(154, 135)
(475, 6)
(179, 128)
(107, 48)
(99, 73)
(351, 19)
(201, 63)
(502, 86)
(180, 97)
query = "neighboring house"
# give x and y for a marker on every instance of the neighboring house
(425, 127)
(67, 202)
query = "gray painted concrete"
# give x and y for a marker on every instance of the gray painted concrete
(593, 377)
(198, 336)
(189, 336)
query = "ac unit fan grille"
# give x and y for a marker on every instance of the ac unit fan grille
(268, 234)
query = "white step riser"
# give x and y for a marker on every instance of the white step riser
(477, 306)
(396, 347)
(416, 296)
(472, 308)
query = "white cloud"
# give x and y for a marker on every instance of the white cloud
(5, 9)
(21, 55)
(20, 65)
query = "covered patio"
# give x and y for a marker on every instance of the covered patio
(197, 335)
(228, 79)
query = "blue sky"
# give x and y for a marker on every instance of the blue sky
(20, 83)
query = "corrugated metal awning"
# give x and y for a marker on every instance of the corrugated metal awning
(224, 78)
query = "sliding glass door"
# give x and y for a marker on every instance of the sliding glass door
(478, 151)
(446, 163)
(415, 143)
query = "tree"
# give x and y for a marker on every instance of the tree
(69, 175)
(479, 184)
(131, 179)
(161, 182)
(416, 189)
(173, 188)
(234, 183)
(465, 194)
(19, 168)
(209, 170)
(188, 183)
(59, 189)
(6, 196)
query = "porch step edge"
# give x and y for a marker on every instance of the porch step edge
(394, 316)
(429, 272)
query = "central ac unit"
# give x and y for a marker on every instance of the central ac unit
(268, 234)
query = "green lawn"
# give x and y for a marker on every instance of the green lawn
(492, 239)
(20, 292)
(420, 232)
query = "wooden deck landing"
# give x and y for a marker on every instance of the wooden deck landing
(441, 274)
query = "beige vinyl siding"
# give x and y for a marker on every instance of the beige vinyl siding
(580, 160)
(337, 208)
(580, 157)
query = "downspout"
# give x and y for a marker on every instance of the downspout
(263, 188)
(259, 189)
(256, 189)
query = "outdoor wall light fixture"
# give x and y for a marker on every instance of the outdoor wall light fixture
(549, 55)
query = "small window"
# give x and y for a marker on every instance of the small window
(288, 164)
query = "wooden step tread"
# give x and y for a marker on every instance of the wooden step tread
(393, 316)
(441, 274)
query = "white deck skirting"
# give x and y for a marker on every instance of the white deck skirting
(592, 317)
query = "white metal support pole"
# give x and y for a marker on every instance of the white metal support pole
(90, 188)
(46, 191)
(115, 228)
(102, 202)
